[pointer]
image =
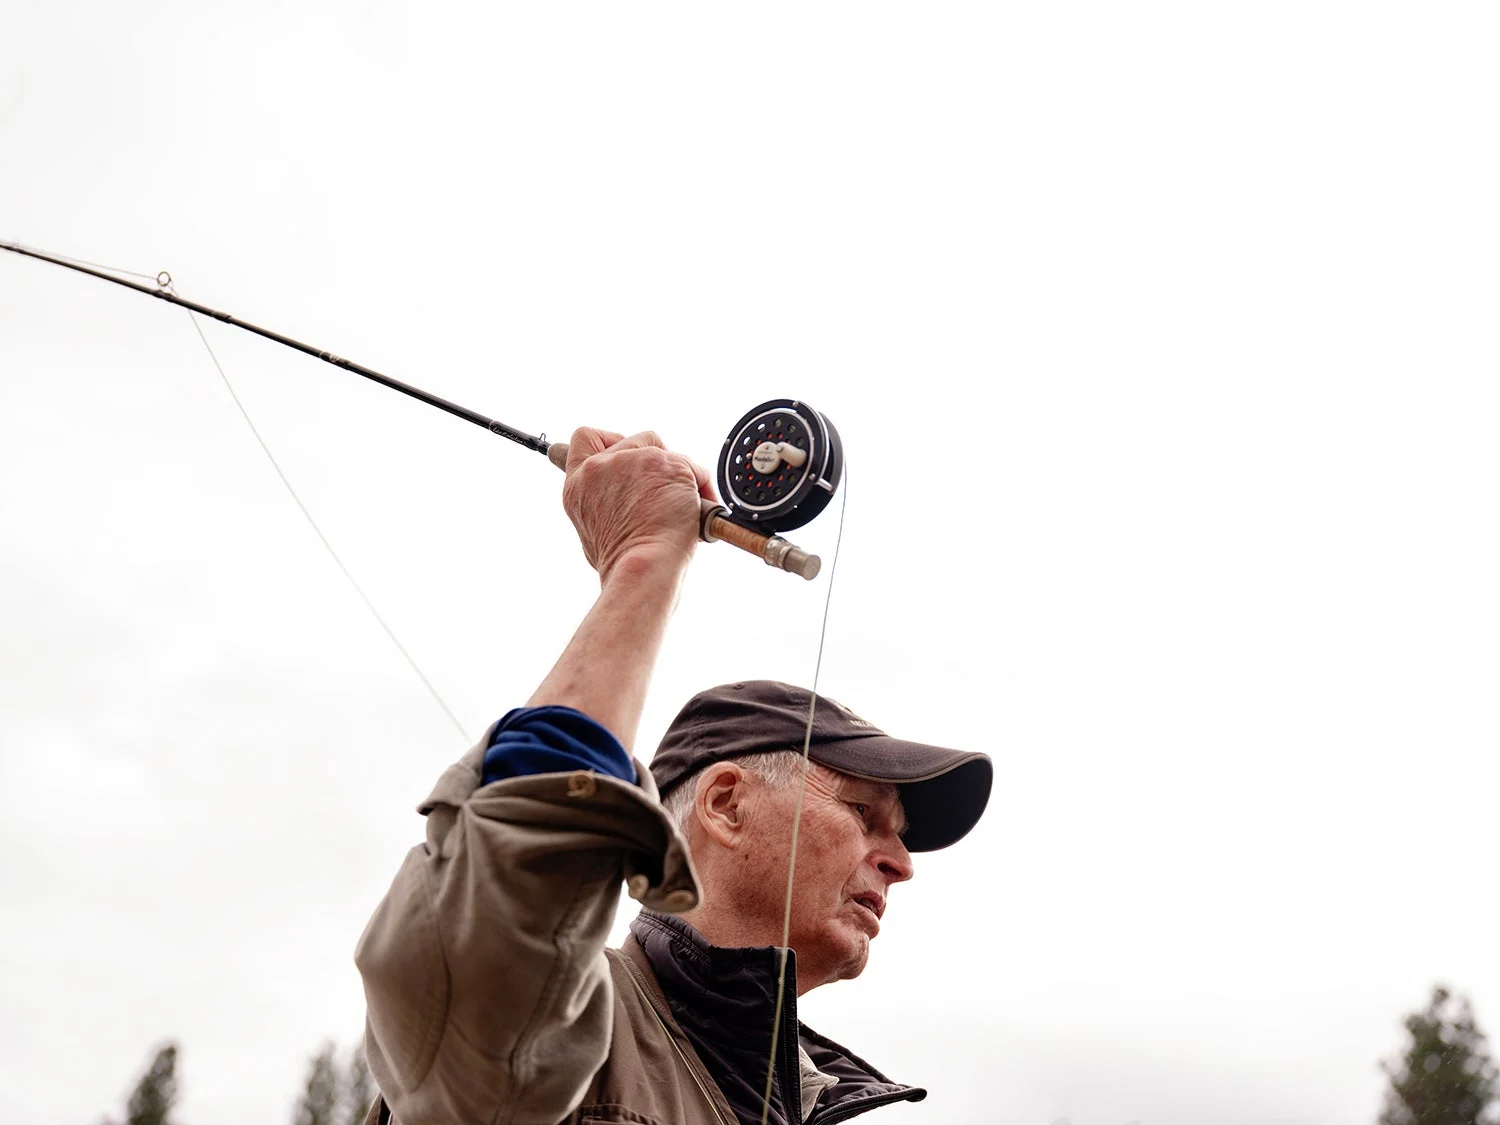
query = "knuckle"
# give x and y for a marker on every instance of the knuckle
(652, 459)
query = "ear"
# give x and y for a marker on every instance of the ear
(720, 803)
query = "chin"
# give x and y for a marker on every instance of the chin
(853, 959)
(839, 956)
(853, 969)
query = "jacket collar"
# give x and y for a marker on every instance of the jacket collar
(724, 1000)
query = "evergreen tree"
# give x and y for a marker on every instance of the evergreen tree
(154, 1095)
(319, 1104)
(359, 1088)
(1446, 1075)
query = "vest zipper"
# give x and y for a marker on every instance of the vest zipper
(790, 1064)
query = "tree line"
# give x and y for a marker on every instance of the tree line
(1444, 1076)
(336, 1091)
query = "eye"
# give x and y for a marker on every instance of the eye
(860, 810)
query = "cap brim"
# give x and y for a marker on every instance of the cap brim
(944, 792)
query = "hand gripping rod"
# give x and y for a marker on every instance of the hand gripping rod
(714, 527)
(774, 550)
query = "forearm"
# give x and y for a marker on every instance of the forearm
(606, 668)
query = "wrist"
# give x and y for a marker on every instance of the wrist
(643, 568)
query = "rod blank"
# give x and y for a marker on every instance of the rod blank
(775, 551)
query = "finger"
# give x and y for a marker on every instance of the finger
(587, 441)
(643, 439)
(705, 484)
(651, 438)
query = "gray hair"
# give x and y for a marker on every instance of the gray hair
(777, 768)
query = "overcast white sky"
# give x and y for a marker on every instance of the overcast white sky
(1162, 339)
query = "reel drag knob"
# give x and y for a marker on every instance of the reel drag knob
(780, 466)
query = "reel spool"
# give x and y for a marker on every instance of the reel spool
(778, 469)
(780, 466)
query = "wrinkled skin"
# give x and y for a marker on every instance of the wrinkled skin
(631, 496)
(849, 854)
(635, 506)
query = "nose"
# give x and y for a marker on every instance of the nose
(893, 860)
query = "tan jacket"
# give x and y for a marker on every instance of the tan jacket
(490, 996)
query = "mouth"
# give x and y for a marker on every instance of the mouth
(871, 902)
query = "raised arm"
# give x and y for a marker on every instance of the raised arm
(635, 506)
(487, 991)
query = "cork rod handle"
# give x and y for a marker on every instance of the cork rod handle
(773, 550)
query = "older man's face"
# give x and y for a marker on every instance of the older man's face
(848, 856)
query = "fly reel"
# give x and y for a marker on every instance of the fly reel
(780, 466)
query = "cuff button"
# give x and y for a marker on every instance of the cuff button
(581, 784)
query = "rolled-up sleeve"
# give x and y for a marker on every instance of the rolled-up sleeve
(487, 992)
(553, 740)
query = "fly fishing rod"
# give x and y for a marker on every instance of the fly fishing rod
(778, 468)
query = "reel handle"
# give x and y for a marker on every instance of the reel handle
(714, 528)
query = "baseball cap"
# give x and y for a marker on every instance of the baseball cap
(943, 791)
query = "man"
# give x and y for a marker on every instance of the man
(490, 995)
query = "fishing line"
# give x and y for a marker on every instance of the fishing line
(778, 468)
(167, 290)
(791, 870)
(111, 269)
(318, 531)
(801, 487)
